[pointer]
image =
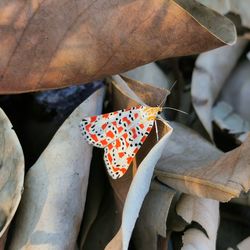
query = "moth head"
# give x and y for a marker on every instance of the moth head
(152, 112)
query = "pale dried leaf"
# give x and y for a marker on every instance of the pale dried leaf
(244, 245)
(194, 239)
(209, 76)
(149, 73)
(51, 210)
(226, 119)
(248, 55)
(236, 91)
(235, 6)
(152, 220)
(193, 166)
(206, 213)
(11, 173)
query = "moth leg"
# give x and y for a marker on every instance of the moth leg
(156, 131)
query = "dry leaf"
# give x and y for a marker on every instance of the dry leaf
(243, 199)
(209, 76)
(127, 92)
(244, 245)
(238, 87)
(206, 213)
(3, 239)
(150, 74)
(152, 221)
(11, 174)
(231, 6)
(248, 56)
(53, 202)
(226, 119)
(44, 47)
(192, 165)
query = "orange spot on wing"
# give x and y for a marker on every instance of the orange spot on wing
(125, 119)
(141, 126)
(118, 144)
(105, 115)
(144, 138)
(88, 127)
(121, 154)
(120, 129)
(148, 129)
(93, 119)
(136, 115)
(129, 160)
(123, 170)
(94, 137)
(134, 133)
(110, 146)
(110, 134)
(104, 142)
(110, 158)
(104, 125)
(136, 150)
(125, 136)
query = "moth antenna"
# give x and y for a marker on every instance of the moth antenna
(156, 131)
(181, 111)
(173, 86)
(160, 105)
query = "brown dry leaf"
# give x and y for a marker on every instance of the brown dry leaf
(128, 93)
(52, 206)
(132, 191)
(206, 213)
(209, 76)
(42, 46)
(192, 165)
(11, 175)
(3, 239)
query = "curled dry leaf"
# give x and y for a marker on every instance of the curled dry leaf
(206, 213)
(3, 239)
(243, 199)
(152, 221)
(53, 202)
(231, 6)
(149, 73)
(192, 165)
(127, 92)
(226, 119)
(11, 174)
(244, 245)
(237, 89)
(209, 76)
(43, 47)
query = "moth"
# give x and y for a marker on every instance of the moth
(121, 134)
